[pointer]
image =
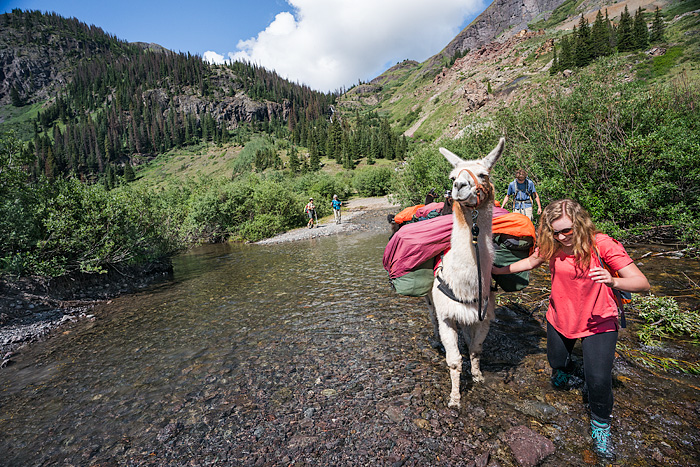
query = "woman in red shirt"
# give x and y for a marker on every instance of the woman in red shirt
(581, 304)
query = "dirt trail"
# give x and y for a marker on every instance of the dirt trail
(351, 209)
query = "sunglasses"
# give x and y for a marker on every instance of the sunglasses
(565, 231)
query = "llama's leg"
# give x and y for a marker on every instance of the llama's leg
(435, 342)
(475, 336)
(448, 334)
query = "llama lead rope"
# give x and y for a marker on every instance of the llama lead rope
(444, 286)
(475, 242)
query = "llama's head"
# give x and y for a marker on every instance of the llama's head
(471, 186)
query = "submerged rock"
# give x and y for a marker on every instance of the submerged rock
(529, 448)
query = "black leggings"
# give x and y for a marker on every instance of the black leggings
(598, 356)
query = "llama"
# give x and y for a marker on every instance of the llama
(461, 297)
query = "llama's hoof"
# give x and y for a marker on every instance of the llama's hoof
(478, 378)
(454, 404)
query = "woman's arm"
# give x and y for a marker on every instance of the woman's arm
(531, 262)
(631, 278)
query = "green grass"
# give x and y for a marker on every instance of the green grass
(657, 67)
(559, 15)
(20, 119)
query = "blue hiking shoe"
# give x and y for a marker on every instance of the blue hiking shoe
(602, 439)
(560, 379)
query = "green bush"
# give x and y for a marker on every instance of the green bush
(663, 318)
(263, 226)
(425, 169)
(372, 181)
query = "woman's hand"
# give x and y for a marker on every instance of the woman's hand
(601, 276)
(631, 278)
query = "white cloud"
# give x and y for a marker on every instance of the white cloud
(213, 57)
(328, 44)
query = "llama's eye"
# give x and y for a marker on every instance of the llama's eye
(453, 178)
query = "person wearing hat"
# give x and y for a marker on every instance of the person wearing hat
(310, 210)
(336, 208)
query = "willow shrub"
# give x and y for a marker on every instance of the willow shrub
(663, 318)
(425, 169)
(86, 228)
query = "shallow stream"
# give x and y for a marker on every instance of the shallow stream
(301, 354)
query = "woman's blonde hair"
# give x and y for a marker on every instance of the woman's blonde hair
(584, 232)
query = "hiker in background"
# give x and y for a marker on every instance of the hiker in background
(310, 210)
(336, 208)
(522, 189)
(582, 304)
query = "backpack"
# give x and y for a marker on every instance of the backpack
(513, 239)
(527, 191)
(621, 297)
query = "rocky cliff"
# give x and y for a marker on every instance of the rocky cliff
(503, 18)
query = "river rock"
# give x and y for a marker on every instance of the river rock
(169, 431)
(529, 448)
(537, 409)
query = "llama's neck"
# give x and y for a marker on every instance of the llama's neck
(463, 222)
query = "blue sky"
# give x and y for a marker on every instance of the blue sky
(326, 44)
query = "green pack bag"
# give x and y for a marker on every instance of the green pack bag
(416, 283)
(508, 250)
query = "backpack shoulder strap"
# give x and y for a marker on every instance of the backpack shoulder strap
(620, 299)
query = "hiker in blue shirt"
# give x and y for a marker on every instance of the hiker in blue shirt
(522, 189)
(336, 208)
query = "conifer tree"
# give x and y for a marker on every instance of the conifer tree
(566, 57)
(657, 27)
(625, 37)
(640, 30)
(50, 169)
(600, 37)
(612, 31)
(314, 158)
(15, 97)
(112, 179)
(294, 164)
(129, 175)
(555, 62)
(583, 52)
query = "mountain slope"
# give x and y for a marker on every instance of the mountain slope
(436, 99)
(503, 18)
(90, 101)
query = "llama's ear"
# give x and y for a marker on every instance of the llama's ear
(451, 157)
(493, 156)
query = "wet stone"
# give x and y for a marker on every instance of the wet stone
(529, 448)
(395, 414)
(537, 409)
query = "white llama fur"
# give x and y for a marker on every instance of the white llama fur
(459, 268)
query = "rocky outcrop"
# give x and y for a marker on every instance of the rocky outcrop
(502, 18)
(34, 74)
(231, 111)
(395, 72)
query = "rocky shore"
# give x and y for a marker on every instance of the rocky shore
(32, 308)
(351, 215)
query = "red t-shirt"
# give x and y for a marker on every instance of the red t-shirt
(579, 307)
